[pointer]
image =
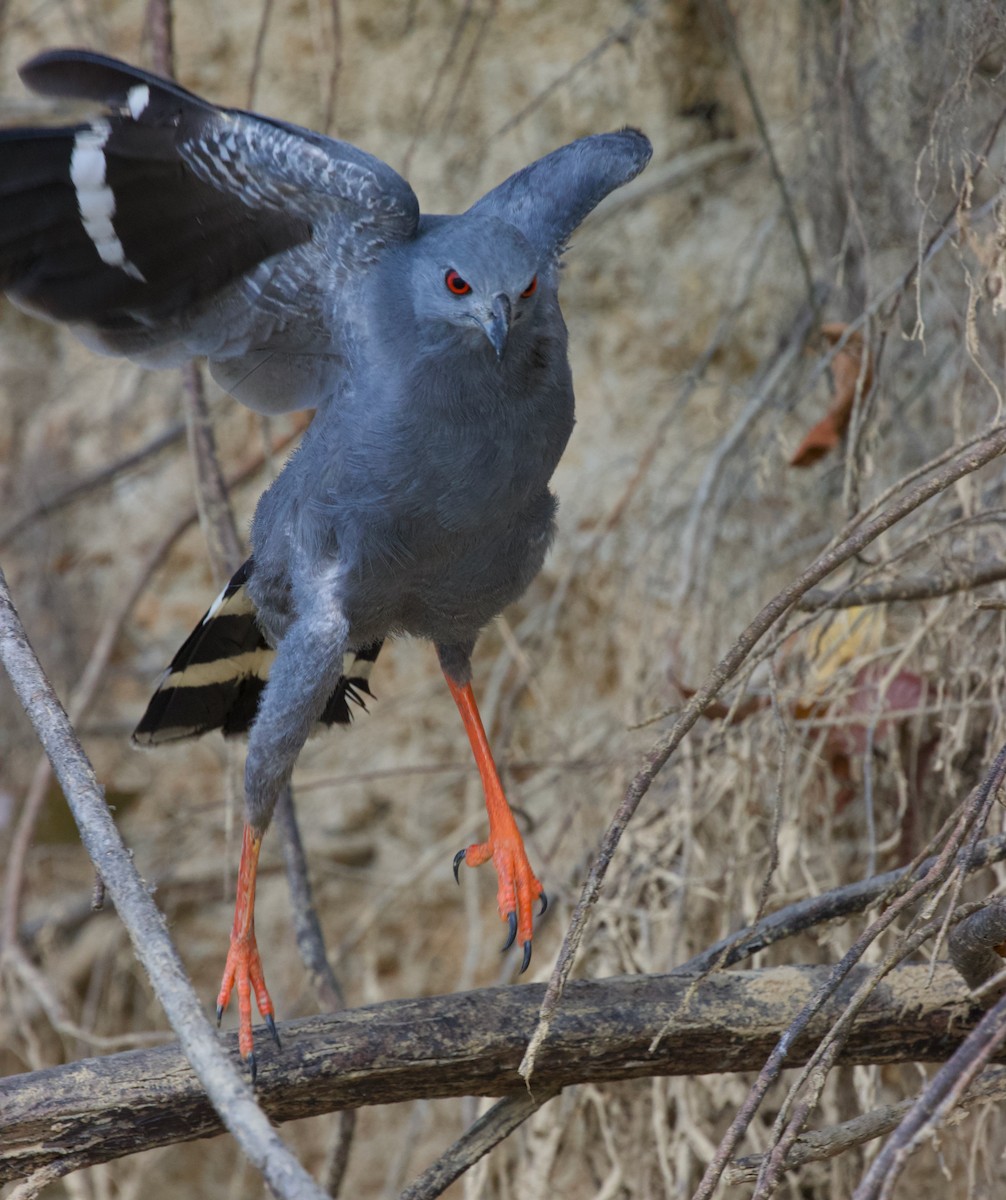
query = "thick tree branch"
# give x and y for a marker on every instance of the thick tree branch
(471, 1044)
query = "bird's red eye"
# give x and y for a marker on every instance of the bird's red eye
(531, 288)
(455, 284)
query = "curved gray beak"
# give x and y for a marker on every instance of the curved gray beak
(496, 327)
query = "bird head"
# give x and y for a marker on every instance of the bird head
(478, 279)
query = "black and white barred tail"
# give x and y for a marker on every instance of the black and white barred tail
(217, 678)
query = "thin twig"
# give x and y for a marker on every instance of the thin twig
(307, 927)
(437, 77)
(977, 805)
(829, 906)
(467, 70)
(943, 1093)
(29, 1188)
(764, 395)
(104, 475)
(335, 68)
(84, 692)
(311, 944)
(976, 456)
(215, 512)
(946, 582)
(258, 50)
(759, 116)
(17, 962)
(812, 1076)
(80, 700)
(225, 1085)
(488, 1131)
(823, 1144)
(620, 36)
(668, 421)
(158, 25)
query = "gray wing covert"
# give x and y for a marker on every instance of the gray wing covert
(548, 199)
(169, 228)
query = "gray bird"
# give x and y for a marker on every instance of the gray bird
(432, 348)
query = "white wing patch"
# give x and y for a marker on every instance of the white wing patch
(137, 99)
(95, 201)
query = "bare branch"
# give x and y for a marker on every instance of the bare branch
(215, 513)
(224, 1084)
(311, 944)
(806, 1090)
(829, 906)
(970, 821)
(436, 79)
(335, 67)
(106, 474)
(945, 582)
(620, 36)
(942, 1094)
(975, 944)
(828, 1143)
(472, 1043)
(476, 1142)
(976, 456)
(730, 27)
(85, 690)
(258, 51)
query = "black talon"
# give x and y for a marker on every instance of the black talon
(511, 936)
(527, 957)
(252, 1067)
(544, 903)
(220, 1014)
(270, 1024)
(457, 863)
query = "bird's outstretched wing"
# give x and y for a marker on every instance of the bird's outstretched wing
(548, 199)
(169, 228)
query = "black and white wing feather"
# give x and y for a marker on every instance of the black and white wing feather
(217, 678)
(169, 228)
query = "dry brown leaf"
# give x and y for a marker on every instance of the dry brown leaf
(846, 368)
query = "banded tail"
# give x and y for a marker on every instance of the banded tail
(217, 678)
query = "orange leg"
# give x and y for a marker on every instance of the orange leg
(244, 966)
(518, 886)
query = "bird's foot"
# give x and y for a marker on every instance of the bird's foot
(519, 888)
(518, 885)
(243, 969)
(243, 972)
